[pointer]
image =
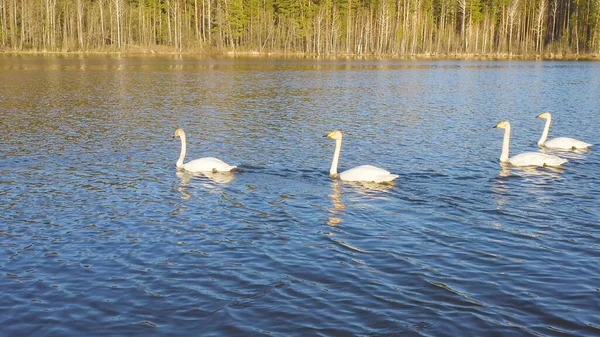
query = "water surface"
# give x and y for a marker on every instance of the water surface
(101, 235)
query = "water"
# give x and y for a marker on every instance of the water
(100, 235)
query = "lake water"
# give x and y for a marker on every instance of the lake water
(100, 235)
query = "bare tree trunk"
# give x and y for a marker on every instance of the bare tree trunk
(169, 28)
(80, 24)
(554, 9)
(22, 20)
(3, 21)
(119, 15)
(203, 21)
(101, 5)
(405, 27)
(318, 31)
(462, 4)
(348, 26)
(209, 24)
(196, 19)
(540, 29)
(512, 14)
(576, 25)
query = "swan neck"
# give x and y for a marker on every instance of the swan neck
(179, 163)
(546, 131)
(505, 145)
(336, 157)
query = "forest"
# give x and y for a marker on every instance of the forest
(428, 28)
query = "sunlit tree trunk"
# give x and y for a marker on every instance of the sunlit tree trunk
(80, 24)
(196, 28)
(3, 22)
(512, 15)
(540, 29)
(576, 26)
(348, 27)
(554, 10)
(209, 22)
(462, 4)
(118, 17)
(102, 25)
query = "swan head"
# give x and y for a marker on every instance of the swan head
(335, 134)
(503, 125)
(178, 133)
(544, 115)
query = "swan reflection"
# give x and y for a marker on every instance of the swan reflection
(530, 171)
(534, 180)
(337, 203)
(373, 188)
(221, 178)
(369, 190)
(207, 179)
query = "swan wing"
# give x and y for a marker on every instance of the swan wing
(208, 164)
(536, 159)
(367, 173)
(566, 143)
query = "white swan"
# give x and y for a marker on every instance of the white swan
(364, 173)
(208, 164)
(527, 158)
(562, 143)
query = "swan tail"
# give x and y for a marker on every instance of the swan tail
(387, 178)
(556, 162)
(227, 169)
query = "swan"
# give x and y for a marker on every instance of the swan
(562, 143)
(526, 158)
(207, 164)
(364, 173)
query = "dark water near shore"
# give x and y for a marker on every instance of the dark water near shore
(100, 235)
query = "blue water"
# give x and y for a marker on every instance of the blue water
(100, 235)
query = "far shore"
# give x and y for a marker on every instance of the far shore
(332, 56)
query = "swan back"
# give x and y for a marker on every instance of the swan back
(368, 173)
(208, 164)
(566, 143)
(536, 159)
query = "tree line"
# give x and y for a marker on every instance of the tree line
(319, 27)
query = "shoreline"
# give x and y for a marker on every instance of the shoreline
(338, 56)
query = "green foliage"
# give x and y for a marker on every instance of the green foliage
(287, 8)
(474, 8)
(236, 17)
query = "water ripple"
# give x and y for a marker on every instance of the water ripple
(102, 235)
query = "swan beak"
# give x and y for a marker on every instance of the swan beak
(499, 125)
(543, 115)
